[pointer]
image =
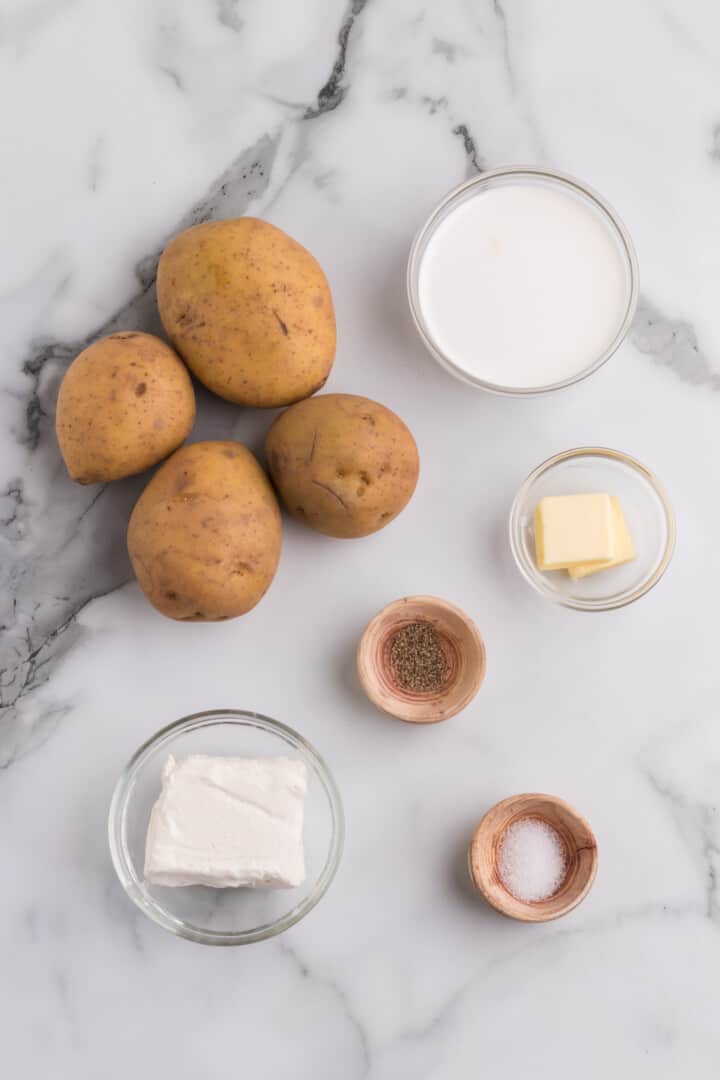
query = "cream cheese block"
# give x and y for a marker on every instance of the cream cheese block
(228, 822)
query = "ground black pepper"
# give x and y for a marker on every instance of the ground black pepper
(418, 661)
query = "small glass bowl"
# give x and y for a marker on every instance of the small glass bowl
(647, 511)
(495, 178)
(235, 916)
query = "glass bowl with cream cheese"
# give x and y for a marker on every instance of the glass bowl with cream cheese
(522, 281)
(177, 810)
(648, 516)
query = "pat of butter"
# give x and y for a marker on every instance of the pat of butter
(624, 546)
(227, 821)
(573, 529)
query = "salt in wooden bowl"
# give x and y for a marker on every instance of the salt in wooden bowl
(462, 646)
(575, 835)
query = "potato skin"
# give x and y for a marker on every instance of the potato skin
(249, 310)
(344, 465)
(204, 537)
(125, 403)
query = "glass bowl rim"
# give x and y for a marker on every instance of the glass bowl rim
(121, 797)
(621, 600)
(434, 219)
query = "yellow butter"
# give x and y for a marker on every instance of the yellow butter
(624, 546)
(573, 530)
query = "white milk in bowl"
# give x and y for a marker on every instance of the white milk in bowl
(523, 281)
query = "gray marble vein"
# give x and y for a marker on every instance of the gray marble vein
(529, 955)
(501, 16)
(715, 142)
(12, 511)
(333, 91)
(475, 162)
(96, 164)
(344, 124)
(685, 36)
(343, 1002)
(40, 628)
(434, 104)
(174, 76)
(699, 825)
(672, 344)
(228, 13)
(447, 49)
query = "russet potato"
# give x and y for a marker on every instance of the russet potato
(344, 465)
(205, 535)
(249, 310)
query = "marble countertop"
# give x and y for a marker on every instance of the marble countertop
(344, 123)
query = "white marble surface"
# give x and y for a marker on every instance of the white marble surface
(122, 122)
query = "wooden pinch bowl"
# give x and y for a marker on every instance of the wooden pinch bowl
(460, 641)
(580, 850)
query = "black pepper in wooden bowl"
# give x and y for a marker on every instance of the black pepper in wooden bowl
(418, 660)
(421, 659)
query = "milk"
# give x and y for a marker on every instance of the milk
(524, 284)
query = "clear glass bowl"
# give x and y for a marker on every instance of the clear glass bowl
(234, 916)
(647, 511)
(494, 178)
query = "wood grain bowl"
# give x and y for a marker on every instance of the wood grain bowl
(460, 641)
(575, 835)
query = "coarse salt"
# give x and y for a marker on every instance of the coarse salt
(532, 860)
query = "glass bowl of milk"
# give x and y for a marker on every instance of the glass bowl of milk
(522, 281)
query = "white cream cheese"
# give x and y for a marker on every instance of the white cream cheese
(227, 821)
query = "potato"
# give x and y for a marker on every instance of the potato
(125, 403)
(204, 537)
(250, 311)
(343, 465)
